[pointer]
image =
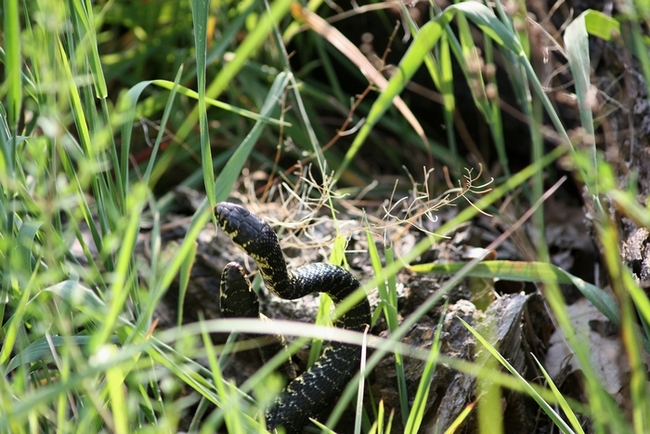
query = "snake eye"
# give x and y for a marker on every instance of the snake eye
(240, 225)
(229, 216)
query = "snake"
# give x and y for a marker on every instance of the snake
(309, 393)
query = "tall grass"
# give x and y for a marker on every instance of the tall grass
(80, 348)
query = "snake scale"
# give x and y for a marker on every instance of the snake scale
(306, 395)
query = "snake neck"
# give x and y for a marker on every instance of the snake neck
(318, 278)
(261, 243)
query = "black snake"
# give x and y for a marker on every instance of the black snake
(308, 394)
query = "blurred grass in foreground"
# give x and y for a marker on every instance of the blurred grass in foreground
(80, 351)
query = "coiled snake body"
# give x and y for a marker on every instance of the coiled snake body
(309, 393)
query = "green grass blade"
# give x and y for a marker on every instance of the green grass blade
(77, 295)
(77, 107)
(84, 11)
(10, 333)
(116, 392)
(466, 214)
(416, 415)
(163, 125)
(123, 277)
(458, 422)
(245, 51)
(25, 247)
(489, 402)
(126, 106)
(233, 418)
(390, 310)
(576, 40)
(165, 84)
(531, 272)
(449, 99)
(636, 20)
(12, 68)
(428, 36)
(336, 257)
(223, 185)
(7, 146)
(359, 413)
(184, 281)
(638, 295)
(41, 350)
(602, 26)
(550, 412)
(630, 332)
(564, 405)
(24, 272)
(200, 20)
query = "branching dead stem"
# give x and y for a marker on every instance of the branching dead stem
(301, 209)
(421, 206)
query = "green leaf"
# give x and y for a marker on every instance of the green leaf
(550, 412)
(564, 405)
(76, 294)
(576, 41)
(184, 281)
(418, 408)
(25, 245)
(200, 10)
(166, 84)
(84, 11)
(278, 9)
(163, 125)
(425, 40)
(12, 65)
(41, 349)
(530, 272)
(600, 25)
(223, 184)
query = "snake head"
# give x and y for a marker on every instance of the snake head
(237, 299)
(248, 231)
